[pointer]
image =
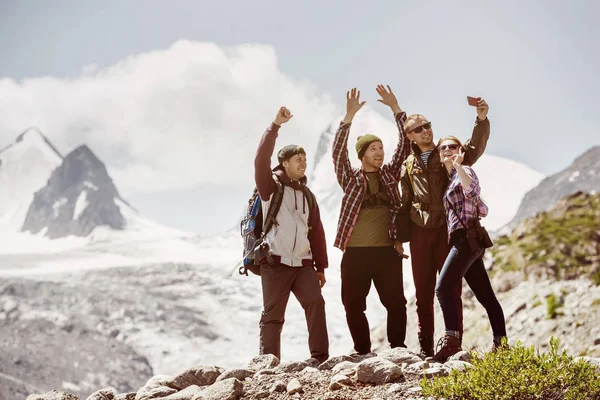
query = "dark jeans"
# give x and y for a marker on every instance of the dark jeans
(277, 283)
(383, 267)
(463, 262)
(429, 248)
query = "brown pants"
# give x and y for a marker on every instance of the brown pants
(277, 283)
(383, 267)
(429, 248)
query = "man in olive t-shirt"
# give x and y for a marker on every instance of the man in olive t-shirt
(366, 229)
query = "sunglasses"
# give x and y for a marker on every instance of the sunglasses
(419, 129)
(452, 146)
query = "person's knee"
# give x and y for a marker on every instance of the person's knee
(313, 301)
(443, 291)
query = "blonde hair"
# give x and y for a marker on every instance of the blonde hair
(413, 117)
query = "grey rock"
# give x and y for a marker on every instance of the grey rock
(154, 392)
(400, 355)
(266, 372)
(395, 388)
(294, 386)
(461, 356)
(292, 366)
(102, 394)
(333, 361)
(186, 394)
(53, 395)
(125, 396)
(343, 366)
(278, 386)
(459, 365)
(416, 368)
(434, 372)
(378, 370)
(157, 386)
(240, 374)
(339, 381)
(228, 389)
(360, 357)
(200, 375)
(310, 374)
(264, 361)
(262, 395)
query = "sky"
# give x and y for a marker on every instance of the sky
(174, 96)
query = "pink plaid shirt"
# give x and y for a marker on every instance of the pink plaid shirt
(465, 201)
(354, 183)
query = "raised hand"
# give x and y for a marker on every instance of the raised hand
(283, 116)
(457, 159)
(388, 98)
(353, 104)
(482, 109)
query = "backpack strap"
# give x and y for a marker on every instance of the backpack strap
(274, 207)
(312, 202)
(410, 165)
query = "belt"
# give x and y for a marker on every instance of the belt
(428, 207)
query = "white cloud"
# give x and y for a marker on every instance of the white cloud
(169, 119)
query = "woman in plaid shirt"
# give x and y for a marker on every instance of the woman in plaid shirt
(461, 204)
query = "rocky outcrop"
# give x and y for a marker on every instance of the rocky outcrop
(583, 175)
(372, 377)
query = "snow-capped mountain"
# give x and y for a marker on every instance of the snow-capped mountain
(582, 175)
(43, 193)
(25, 167)
(79, 197)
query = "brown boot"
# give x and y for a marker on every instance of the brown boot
(450, 345)
(426, 344)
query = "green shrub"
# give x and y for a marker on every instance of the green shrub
(596, 278)
(552, 306)
(519, 373)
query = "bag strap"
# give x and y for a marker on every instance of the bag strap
(458, 216)
(274, 207)
(409, 169)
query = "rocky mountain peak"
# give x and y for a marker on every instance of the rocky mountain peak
(582, 175)
(79, 196)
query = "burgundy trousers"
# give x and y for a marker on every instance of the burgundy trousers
(429, 248)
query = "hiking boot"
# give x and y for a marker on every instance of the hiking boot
(450, 345)
(426, 344)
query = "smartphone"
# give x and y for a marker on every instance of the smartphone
(473, 101)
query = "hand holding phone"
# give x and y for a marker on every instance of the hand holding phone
(473, 101)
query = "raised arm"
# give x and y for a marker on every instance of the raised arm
(403, 148)
(263, 175)
(468, 178)
(475, 146)
(341, 162)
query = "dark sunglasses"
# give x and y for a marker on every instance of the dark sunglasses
(452, 146)
(419, 129)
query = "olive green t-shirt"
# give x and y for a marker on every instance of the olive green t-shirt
(373, 221)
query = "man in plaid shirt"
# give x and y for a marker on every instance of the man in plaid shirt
(366, 229)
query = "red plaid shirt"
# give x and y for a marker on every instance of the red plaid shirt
(354, 183)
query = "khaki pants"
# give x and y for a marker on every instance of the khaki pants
(277, 282)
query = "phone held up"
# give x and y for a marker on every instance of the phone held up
(473, 101)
